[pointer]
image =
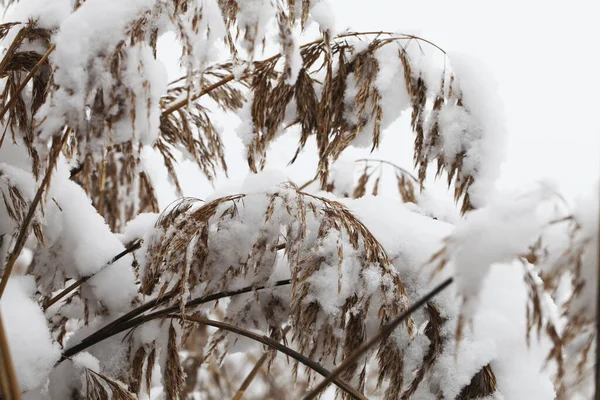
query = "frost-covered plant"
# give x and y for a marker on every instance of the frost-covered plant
(104, 295)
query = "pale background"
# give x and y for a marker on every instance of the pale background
(544, 56)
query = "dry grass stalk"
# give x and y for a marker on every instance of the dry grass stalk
(251, 375)
(187, 228)
(9, 387)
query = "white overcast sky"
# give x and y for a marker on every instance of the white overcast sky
(545, 57)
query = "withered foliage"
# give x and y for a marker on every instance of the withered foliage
(573, 340)
(245, 240)
(100, 387)
(317, 236)
(16, 206)
(550, 267)
(178, 126)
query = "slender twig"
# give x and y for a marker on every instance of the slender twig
(402, 170)
(24, 230)
(250, 377)
(136, 244)
(306, 184)
(257, 366)
(25, 81)
(383, 333)
(9, 386)
(177, 105)
(134, 317)
(342, 384)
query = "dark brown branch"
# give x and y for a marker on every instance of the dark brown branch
(136, 244)
(345, 386)
(134, 317)
(383, 333)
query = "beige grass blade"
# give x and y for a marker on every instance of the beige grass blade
(9, 387)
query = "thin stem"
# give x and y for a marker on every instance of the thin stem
(136, 244)
(9, 386)
(25, 81)
(240, 393)
(383, 333)
(179, 104)
(342, 384)
(306, 184)
(404, 171)
(250, 377)
(134, 317)
(24, 230)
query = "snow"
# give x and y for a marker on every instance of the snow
(481, 99)
(254, 16)
(15, 178)
(504, 322)
(200, 29)
(138, 227)
(410, 239)
(342, 176)
(497, 233)
(69, 375)
(388, 92)
(322, 13)
(288, 40)
(86, 360)
(480, 248)
(32, 349)
(391, 85)
(77, 226)
(84, 40)
(48, 13)
(586, 213)
(459, 130)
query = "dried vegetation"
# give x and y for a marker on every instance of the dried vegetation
(192, 258)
